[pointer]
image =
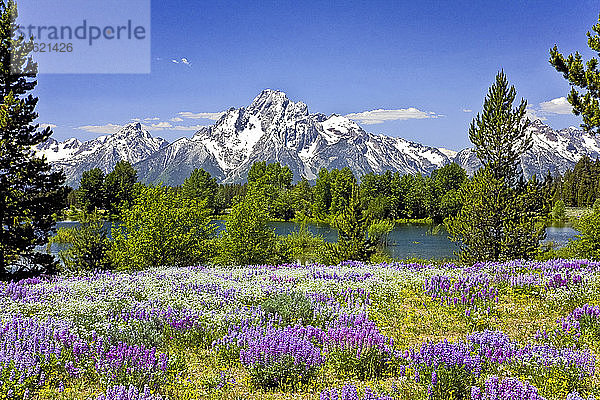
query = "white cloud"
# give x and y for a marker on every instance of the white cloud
(191, 115)
(145, 119)
(44, 126)
(184, 61)
(556, 106)
(534, 114)
(149, 126)
(103, 129)
(559, 105)
(160, 126)
(380, 116)
(193, 128)
(167, 126)
(467, 110)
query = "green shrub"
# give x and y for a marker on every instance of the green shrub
(302, 246)
(587, 244)
(353, 243)
(379, 232)
(162, 227)
(559, 211)
(247, 239)
(283, 375)
(87, 246)
(292, 307)
(451, 384)
(373, 363)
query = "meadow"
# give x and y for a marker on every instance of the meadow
(514, 330)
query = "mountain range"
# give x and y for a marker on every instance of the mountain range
(275, 129)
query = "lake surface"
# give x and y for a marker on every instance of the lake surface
(405, 241)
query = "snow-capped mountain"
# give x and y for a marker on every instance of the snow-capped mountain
(552, 150)
(131, 143)
(56, 151)
(273, 128)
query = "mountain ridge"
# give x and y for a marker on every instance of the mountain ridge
(274, 128)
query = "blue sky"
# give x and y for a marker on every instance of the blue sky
(414, 59)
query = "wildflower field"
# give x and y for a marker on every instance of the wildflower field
(515, 330)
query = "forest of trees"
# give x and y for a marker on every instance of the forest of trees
(386, 196)
(577, 187)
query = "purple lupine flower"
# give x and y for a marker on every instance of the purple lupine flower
(128, 393)
(508, 388)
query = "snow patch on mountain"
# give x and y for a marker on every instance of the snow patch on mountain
(56, 151)
(275, 129)
(131, 143)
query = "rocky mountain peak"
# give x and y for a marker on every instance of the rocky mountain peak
(273, 106)
(274, 128)
(131, 130)
(537, 124)
(269, 95)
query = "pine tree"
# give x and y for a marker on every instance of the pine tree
(584, 76)
(501, 215)
(478, 226)
(30, 193)
(499, 132)
(353, 242)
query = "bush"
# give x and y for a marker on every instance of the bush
(559, 211)
(247, 239)
(379, 232)
(587, 244)
(353, 243)
(163, 228)
(302, 246)
(355, 347)
(87, 246)
(292, 307)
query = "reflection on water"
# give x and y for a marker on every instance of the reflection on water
(405, 241)
(559, 235)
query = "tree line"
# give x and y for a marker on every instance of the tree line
(112, 192)
(387, 196)
(579, 186)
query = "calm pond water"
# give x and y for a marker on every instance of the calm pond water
(406, 240)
